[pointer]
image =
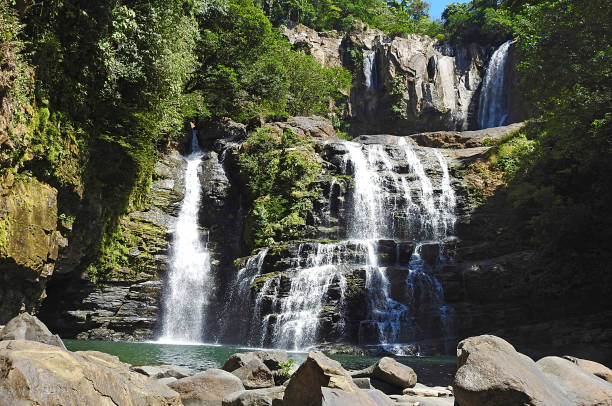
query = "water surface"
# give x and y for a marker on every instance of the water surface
(430, 371)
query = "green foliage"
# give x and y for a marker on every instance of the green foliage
(484, 22)
(279, 171)
(399, 106)
(285, 372)
(249, 70)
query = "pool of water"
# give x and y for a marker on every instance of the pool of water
(430, 371)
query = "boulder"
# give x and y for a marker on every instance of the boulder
(492, 373)
(595, 368)
(207, 388)
(426, 391)
(271, 358)
(580, 387)
(167, 381)
(389, 371)
(255, 375)
(28, 327)
(337, 397)
(163, 371)
(317, 372)
(411, 400)
(41, 374)
(257, 397)
(363, 383)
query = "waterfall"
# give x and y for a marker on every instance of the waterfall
(189, 263)
(390, 202)
(493, 102)
(370, 69)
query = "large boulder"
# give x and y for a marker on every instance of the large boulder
(317, 372)
(271, 358)
(207, 388)
(255, 375)
(41, 374)
(257, 397)
(492, 373)
(337, 397)
(388, 371)
(162, 371)
(28, 327)
(580, 387)
(595, 368)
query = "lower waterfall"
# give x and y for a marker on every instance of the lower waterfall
(392, 220)
(189, 263)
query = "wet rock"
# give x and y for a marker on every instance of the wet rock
(317, 372)
(255, 375)
(578, 386)
(207, 388)
(595, 368)
(28, 327)
(36, 373)
(162, 371)
(257, 397)
(492, 373)
(389, 371)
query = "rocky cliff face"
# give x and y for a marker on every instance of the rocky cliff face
(405, 85)
(126, 307)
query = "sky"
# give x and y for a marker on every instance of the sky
(438, 6)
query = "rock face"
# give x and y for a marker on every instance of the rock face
(35, 373)
(29, 243)
(207, 388)
(403, 85)
(491, 373)
(315, 373)
(125, 308)
(28, 327)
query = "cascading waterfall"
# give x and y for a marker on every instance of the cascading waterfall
(370, 69)
(493, 102)
(189, 263)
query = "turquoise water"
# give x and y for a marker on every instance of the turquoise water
(430, 371)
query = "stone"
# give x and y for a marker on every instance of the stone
(411, 400)
(390, 371)
(492, 373)
(163, 371)
(317, 372)
(425, 391)
(41, 374)
(167, 381)
(363, 383)
(271, 358)
(580, 387)
(255, 375)
(337, 397)
(207, 388)
(224, 128)
(257, 397)
(595, 368)
(28, 327)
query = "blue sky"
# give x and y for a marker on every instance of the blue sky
(438, 6)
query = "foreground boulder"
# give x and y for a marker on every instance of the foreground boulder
(28, 327)
(41, 374)
(492, 373)
(595, 368)
(207, 388)
(580, 387)
(317, 372)
(257, 397)
(388, 375)
(255, 375)
(337, 397)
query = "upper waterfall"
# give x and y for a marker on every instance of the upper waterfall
(493, 103)
(189, 263)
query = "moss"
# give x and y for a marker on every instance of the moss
(5, 231)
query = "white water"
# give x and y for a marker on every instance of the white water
(189, 264)
(370, 69)
(493, 102)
